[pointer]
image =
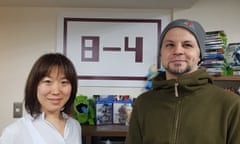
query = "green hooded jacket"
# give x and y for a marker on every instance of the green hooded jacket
(187, 110)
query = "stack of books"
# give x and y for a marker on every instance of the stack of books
(232, 55)
(213, 59)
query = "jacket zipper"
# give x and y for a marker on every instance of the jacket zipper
(176, 89)
(178, 109)
(176, 125)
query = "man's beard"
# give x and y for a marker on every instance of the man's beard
(179, 70)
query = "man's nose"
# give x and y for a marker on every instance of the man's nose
(178, 49)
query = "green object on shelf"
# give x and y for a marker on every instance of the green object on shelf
(84, 110)
(229, 71)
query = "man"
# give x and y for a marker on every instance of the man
(184, 107)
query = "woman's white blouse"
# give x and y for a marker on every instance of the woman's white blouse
(39, 131)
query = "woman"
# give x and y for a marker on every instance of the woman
(49, 94)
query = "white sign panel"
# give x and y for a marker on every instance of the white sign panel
(111, 52)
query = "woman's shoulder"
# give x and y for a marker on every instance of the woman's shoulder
(18, 125)
(15, 128)
(74, 122)
(71, 120)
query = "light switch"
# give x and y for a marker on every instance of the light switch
(17, 110)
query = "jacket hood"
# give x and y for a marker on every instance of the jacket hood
(190, 81)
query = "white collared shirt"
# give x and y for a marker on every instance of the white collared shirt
(39, 131)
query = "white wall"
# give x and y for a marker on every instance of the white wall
(27, 33)
(215, 15)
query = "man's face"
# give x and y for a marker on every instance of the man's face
(180, 52)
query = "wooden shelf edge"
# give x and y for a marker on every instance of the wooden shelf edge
(226, 78)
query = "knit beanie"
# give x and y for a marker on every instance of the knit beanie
(194, 27)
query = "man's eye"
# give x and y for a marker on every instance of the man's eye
(187, 45)
(169, 45)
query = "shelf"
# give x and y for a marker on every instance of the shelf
(228, 82)
(88, 132)
(226, 78)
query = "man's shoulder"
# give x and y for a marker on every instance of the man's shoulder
(224, 94)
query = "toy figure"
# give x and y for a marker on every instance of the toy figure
(153, 72)
(84, 110)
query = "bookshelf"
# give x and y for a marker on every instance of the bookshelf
(227, 78)
(92, 134)
(227, 81)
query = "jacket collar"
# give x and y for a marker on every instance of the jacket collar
(188, 82)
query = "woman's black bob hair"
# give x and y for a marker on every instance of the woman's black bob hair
(41, 68)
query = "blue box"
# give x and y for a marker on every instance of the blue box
(104, 111)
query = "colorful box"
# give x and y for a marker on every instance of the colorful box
(104, 111)
(122, 112)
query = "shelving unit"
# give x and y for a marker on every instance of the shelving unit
(227, 78)
(227, 81)
(92, 133)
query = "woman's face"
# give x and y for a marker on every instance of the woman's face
(53, 91)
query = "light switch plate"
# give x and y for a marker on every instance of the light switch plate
(17, 109)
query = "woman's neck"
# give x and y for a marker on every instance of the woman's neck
(57, 120)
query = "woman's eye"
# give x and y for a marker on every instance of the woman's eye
(47, 81)
(65, 82)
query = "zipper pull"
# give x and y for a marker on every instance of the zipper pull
(176, 89)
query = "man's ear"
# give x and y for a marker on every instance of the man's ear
(199, 61)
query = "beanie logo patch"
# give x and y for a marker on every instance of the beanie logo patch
(188, 23)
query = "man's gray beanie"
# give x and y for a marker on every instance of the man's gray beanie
(194, 27)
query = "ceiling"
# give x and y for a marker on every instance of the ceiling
(129, 4)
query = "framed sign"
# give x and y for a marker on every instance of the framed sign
(111, 52)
